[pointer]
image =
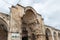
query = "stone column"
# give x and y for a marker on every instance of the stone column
(57, 36)
(9, 36)
(52, 35)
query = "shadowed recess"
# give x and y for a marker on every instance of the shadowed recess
(29, 16)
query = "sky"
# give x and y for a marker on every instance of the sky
(49, 9)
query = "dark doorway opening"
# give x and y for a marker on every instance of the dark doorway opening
(24, 34)
(25, 38)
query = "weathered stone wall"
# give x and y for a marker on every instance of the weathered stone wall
(4, 26)
(16, 22)
(26, 22)
(54, 33)
(5, 19)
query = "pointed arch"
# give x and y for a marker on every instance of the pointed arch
(3, 30)
(30, 15)
(48, 34)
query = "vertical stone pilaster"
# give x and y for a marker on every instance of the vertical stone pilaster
(15, 25)
(9, 36)
(57, 36)
(52, 35)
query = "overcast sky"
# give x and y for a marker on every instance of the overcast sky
(49, 9)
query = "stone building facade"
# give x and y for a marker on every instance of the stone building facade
(24, 23)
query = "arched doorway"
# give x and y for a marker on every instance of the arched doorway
(28, 18)
(24, 34)
(3, 30)
(48, 34)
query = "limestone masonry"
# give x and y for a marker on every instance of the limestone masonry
(24, 23)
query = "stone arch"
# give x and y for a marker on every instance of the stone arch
(28, 7)
(5, 17)
(3, 30)
(48, 34)
(30, 15)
